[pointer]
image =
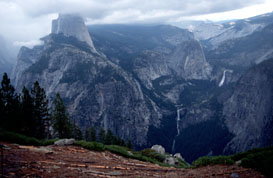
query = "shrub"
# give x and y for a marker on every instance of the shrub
(242, 155)
(123, 151)
(22, 139)
(18, 138)
(182, 163)
(49, 142)
(205, 160)
(126, 152)
(94, 146)
(259, 159)
(153, 154)
(262, 161)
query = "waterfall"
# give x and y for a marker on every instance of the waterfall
(105, 123)
(224, 77)
(177, 128)
(177, 122)
(173, 147)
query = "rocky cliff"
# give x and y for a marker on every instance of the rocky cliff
(159, 56)
(157, 84)
(72, 25)
(188, 61)
(26, 57)
(248, 112)
(96, 91)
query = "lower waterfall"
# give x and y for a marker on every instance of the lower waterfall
(177, 129)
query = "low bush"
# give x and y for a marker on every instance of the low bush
(18, 138)
(182, 163)
(153, 154)
(123, 151)
(94, 146)
(206, 160)
(22, 139)
(239, 156)
(49, 142)
(260, 159)
(126, 152)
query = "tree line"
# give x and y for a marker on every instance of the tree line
(28, 113)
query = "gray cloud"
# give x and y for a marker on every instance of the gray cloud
(26, 20)
(101, 8)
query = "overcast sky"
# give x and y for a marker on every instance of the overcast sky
(25, 21)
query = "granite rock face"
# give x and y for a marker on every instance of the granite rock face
(157, 84)
(188, 61)
(96, 91)
(26, 57)
(162, 57)
(72, 25)
(248, 112)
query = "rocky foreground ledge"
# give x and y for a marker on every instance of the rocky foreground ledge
(74, 161)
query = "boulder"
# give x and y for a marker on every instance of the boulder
(65, 141)
(238, 163)
(159, 149)
(178, 155)
(171, 161)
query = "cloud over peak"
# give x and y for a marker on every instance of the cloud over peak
(26, 20)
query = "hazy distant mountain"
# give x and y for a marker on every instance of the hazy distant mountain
(5, 65)
(216, 33)
(245, 51)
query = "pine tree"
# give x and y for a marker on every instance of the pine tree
(77, 133)
(27, 114)
(1, 110)
(93, 135)
(109, 137)
(115, 140)
(129, 144)
(121, 142)
(10, 105)
(41, 111)
(86, 134)
(61, 122)
(90, 134)
(102, 135)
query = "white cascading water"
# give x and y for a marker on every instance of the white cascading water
(224, 77)
(177, 129)
(177, 121)
(173, 147)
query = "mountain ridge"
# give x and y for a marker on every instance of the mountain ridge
(149, 84)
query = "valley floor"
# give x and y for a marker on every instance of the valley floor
(73, 161)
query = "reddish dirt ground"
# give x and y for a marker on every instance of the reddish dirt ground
(73, 161)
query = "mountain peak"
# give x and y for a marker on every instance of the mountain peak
(72, 25)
